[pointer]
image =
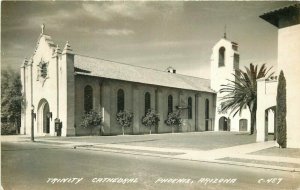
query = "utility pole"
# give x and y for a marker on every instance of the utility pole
(33, 116)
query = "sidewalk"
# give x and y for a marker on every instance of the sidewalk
(233, 155)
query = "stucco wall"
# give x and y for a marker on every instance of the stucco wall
(55, 90)
(220, 76)
(105, 93)
(80, 83)
(64, 93)
(266, 98)
(289, 62)
(39, 89)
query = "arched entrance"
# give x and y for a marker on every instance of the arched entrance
(224, 124)
(270, 123)
(243, 125)
(206, 115)
(43, 117)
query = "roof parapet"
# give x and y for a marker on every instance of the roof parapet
(25, 62)
(67, 49)
(57, 51)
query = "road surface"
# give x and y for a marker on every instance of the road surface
(38, 166)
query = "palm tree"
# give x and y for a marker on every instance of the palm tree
(242, 92)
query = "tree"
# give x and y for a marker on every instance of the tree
(151, 119)
(91, 119)
(281, 111)
(124, 118)
(11, 98)
(242, 92)
(174, 119)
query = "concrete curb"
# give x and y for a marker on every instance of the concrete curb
(93, 147)
(133, 152)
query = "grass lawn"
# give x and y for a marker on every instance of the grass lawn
(195, 140)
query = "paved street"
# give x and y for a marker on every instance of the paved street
(28, 166)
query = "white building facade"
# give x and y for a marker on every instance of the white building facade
(287, 20)
(224, 61)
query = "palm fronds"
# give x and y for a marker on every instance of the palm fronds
(242, 92)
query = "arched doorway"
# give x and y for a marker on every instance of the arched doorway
(43, 117)
(224, 124)
(206, 114)
(270, 123)
(243, 125)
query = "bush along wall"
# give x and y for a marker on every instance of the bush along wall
(281, 111)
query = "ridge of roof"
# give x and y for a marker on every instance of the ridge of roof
(103, 59)
(99, 67)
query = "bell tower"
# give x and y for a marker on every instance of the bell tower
(224, 63)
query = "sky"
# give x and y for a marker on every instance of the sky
(149, 34)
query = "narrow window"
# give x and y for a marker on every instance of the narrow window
(221, 57)
(206, 114)
(190, 107)
(170, 103)
(120, 100)
(206, 109)
(44, 70)
(236, 60)
(88, 98)
(147, 102)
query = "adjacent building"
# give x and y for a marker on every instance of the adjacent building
(287, 20)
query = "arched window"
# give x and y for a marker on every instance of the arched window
(206, 109)
(190, 107)
(206, 114)
(120, 100)
(170, 103)
(88, 98)
(221, 56)
(147, 102)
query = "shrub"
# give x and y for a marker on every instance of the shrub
(174, 120)
(151, 119)
(124, 118)
(91, 119)
(281, 111)
(8, 129)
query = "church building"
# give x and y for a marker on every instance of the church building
(60, 86)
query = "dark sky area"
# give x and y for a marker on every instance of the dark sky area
(150, 34)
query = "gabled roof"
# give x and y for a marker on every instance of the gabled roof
(113, 70)
(48, 39)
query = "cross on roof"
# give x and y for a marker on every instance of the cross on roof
(225, 31)
(43, 28)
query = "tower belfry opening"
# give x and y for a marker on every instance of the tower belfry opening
(225, 35)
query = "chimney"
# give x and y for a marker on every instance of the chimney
(171, 70)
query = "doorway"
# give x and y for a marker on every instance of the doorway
(224, 124)
(43, 117)
(243, 125)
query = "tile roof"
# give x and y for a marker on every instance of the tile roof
(292, 12)
(109, 69)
